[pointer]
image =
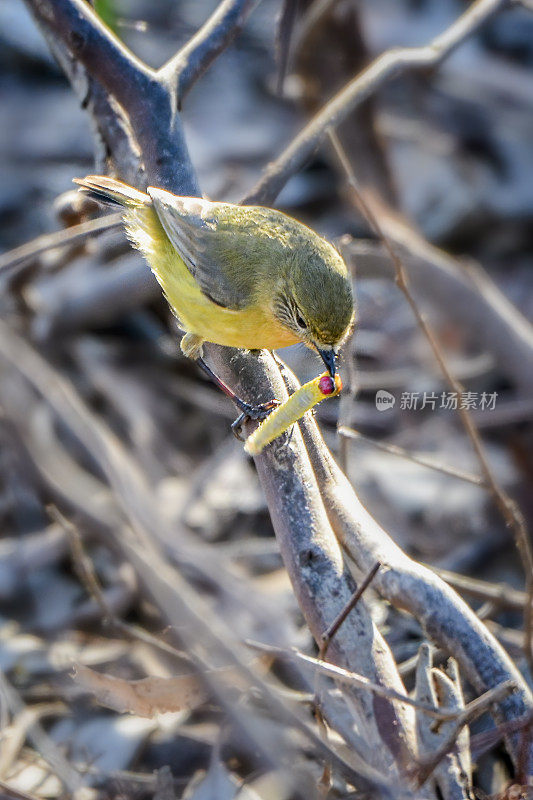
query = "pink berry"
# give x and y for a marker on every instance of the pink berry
(326, 384)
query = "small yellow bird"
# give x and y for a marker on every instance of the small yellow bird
(241, 276)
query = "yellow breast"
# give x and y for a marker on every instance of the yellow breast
(253, 328)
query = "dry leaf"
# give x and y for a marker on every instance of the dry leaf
(145, 697)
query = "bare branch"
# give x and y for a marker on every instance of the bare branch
(150, 98)
(393, 449)
(499, 594)
(95, 46)
(344, 677)
(310, 551)
(508, 509)
(476, 305)
(13, 260)
(134, 86)
(446, 619)
(182, 71)
(387, 66)
(444, 616)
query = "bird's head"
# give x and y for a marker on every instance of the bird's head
(315, 301)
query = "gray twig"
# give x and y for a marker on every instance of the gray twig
(300, 499)
(15, 259)
(387, 66)
(444, 616)
(182, 71)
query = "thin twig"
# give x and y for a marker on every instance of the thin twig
(481, 743)
(475, 709)
(511, 514)
(500, 594)
(13, 260)
(328, 635)
(387, 66)
(82, 563)
(395, 450)
(284, 36)
(325, 639)
(94, 45)
(87, 575)
(41, 741)
(182, 71)
(347, 678)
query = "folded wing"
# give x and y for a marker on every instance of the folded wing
(214, 256)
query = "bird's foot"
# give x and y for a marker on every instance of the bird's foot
(248, 412)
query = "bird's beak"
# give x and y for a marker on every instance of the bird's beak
(328, 357)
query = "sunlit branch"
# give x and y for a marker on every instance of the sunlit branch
(383, 69)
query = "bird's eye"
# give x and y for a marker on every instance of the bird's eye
(300, 321)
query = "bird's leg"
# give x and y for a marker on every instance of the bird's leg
(248, 411)
(191, 346)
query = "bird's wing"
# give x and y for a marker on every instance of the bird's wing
(194, 231)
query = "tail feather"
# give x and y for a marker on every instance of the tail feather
(112, 192)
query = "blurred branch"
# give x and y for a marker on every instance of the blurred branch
(387, 66)
(330, 48)
(284, 35)
(407, 585)
(70, 778)
(508, 509)
(344, 677)
(445, 618)
(312, 555)
(9, 793)
(476, 305)
(500, 594)
(17, 258)
(182, 71)
(393, 449)
(301, 492)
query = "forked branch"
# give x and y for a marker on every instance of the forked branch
(383, 69)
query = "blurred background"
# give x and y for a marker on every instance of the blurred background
(448, 148)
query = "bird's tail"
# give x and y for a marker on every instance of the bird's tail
(112, 192)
